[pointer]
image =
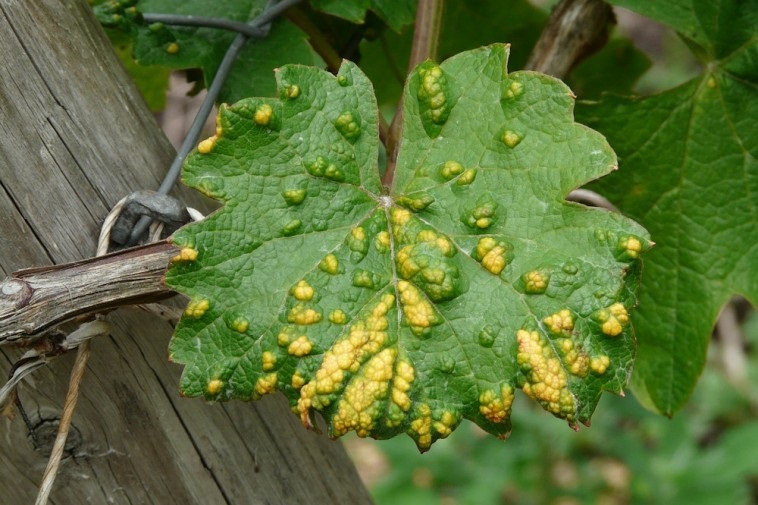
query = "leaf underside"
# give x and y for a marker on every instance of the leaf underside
(405, 310)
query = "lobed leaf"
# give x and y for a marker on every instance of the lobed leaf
(689, 173)
(406, 309)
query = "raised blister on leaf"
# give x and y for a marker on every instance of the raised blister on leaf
(410, 309)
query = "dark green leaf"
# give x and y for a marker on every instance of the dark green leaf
(689, 173)
(396, 13)
(616, 68)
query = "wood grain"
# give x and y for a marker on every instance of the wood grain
(33, 301)
(76, 137)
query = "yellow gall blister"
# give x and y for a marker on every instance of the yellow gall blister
(263, 114)
(560, 322)
(214, 386)
(599, 364)
(511, 138)
(300, 347)
(302, 291)
(265, 384)
(338, 316)
(186, 254)
(240, 325)
(330, 264)
(206, 146)
(196, 308)
(300, 314)
(613, 319)
(535, 282)
(268, 361)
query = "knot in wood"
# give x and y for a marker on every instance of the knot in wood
(14, 294)
(44, 433)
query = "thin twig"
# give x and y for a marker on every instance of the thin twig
(77, 373)
(588, 196)
(732, 347)
(425, 42)
(72, 395)
(317, 39)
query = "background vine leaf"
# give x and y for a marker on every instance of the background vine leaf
(689, 173)
(409, 311)
(467, 24)
(396, 13)
(183, 47)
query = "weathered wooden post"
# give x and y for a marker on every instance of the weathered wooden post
(75, 137)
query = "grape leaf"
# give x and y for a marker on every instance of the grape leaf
(466, 24)
(616, 68)
(152, 82)
(183, 47)
(688, 172)
(405, 311)
(396, 13)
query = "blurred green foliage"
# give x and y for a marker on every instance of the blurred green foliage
(704, 455)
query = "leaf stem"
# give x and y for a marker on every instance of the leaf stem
(426, 32)
(425, 43)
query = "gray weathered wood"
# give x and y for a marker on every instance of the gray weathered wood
(75, 139)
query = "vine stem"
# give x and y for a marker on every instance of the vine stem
(576, 29)
(317, 39)
(426, 36)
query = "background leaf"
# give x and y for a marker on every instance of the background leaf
(689, 173)
(180, 47)
(151, 81)
(468, 24)
(407, 312)
(396, 13)
(616, 68)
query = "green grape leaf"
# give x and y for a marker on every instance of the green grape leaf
(152, 81)
(396, 13)
(466, 24)
(183, 47)
(406, 310)
(689, 173)
(615, 68)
